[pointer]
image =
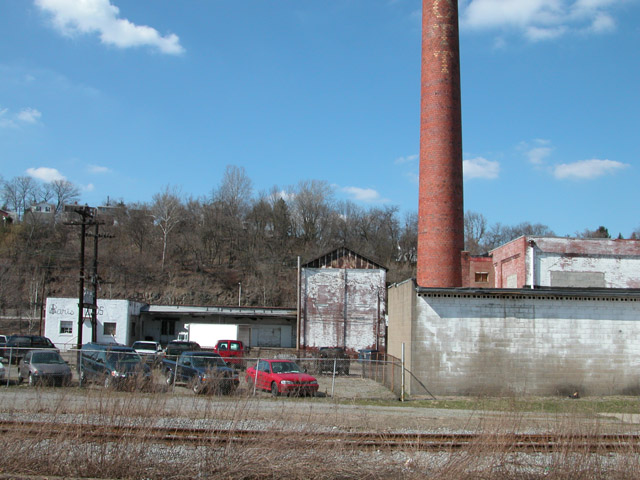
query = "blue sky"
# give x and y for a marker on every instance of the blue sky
(125, 97)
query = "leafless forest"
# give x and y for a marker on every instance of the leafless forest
(183, 250)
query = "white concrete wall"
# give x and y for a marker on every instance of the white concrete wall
(486, 344)
(120, 312)
(618, 272)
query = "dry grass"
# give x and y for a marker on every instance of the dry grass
(69, 455)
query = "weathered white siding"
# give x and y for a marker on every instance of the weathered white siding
(342, 307)
(603, 271)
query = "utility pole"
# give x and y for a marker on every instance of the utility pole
(87, 213)
(95, 281)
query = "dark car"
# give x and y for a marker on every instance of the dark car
(331, 358)
(202, 371)
(18, 345)
(112, 365)
(176, 347)
(44, 367)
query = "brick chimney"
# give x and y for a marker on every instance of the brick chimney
(440, 210)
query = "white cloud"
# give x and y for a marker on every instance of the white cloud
(540, 20)
(587, 169)
(537, 155)
(480, 168)
(5, 121)
(407, 159)
(98, 169)
(363, 194)
(89, 188)
(26, 115)
(100, 16)
(45, 174)
(29, 115)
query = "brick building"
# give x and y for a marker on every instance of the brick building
(567, 262)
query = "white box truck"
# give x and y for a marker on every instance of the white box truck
(207, 335)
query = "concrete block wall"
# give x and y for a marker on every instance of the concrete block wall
(402, 305)
(463, 343)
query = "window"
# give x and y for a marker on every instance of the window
(482, 277)
(168, 327)
(109, 328)
(66, 327)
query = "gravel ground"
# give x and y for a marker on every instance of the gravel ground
(345, 410)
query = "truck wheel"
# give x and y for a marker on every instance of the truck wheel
(32, 381)
(274, 389)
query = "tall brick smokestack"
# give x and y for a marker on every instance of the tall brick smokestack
(440, 210)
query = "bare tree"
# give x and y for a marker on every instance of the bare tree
(312, 202)
(63, 192)
(600, 232)
(235, 191)
(167, 213)
(475, 229)
(19, 193)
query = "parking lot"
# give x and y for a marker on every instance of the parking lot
(343, 387)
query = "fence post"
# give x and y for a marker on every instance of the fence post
(402, 389)
(333, 379)
(255, 378)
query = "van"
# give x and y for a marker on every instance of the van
(17, 346)
(112, 365)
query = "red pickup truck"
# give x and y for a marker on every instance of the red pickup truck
(232, 351)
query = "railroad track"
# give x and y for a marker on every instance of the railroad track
(520, 442)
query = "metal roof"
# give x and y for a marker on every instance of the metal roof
(219, 310)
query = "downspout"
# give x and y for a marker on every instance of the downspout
(532, 244)
(344, 334)
(298, 309)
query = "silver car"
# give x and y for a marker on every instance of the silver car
(1, 371)
(44, 367)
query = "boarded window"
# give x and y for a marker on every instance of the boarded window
(109, 328)
(482, 277)
(577, 279)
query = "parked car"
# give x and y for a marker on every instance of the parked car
(1, 371)
(281, 377)
(176, 347)
(112, 365)
(232, 351)
(150, 352)
(333, 357)
(202, 371)
(18, 345)
(3, 341)
(44, 367)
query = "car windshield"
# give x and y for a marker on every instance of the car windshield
(123, 357)
(207, 362)
(145, 345)
(51, 358)
(285, 367)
